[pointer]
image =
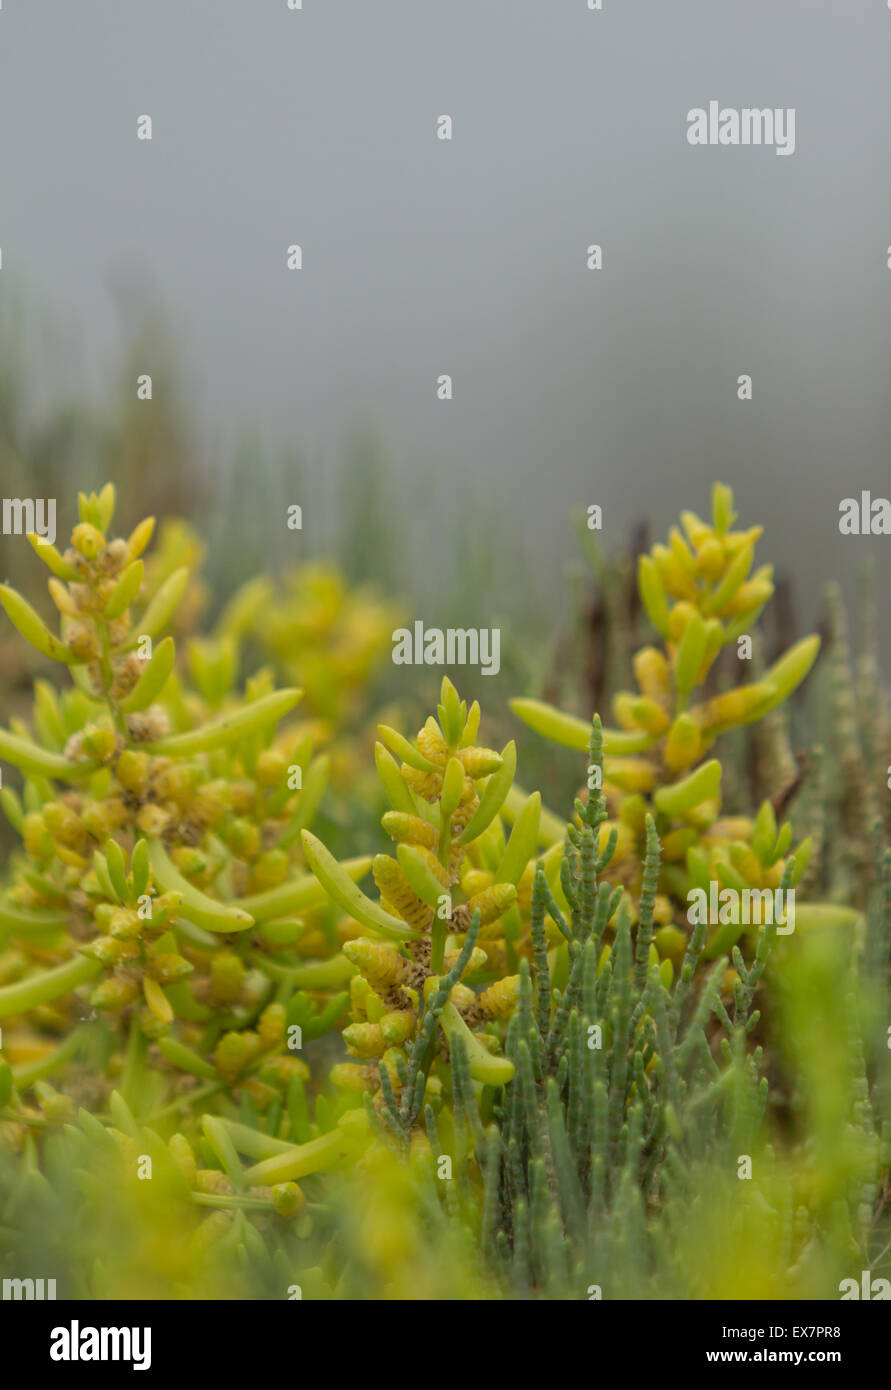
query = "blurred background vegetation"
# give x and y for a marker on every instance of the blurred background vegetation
(374, 528)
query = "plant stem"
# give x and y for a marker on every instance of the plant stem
(40, 989)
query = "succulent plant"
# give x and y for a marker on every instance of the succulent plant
(659, 763)
(159, 823)
(447, 916)
(523, 1068)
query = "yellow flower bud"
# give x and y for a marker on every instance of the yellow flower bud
(37, 838)
(168, 966)
(271, 869)
(287, 1199)
(649, 715)
(99, 743)
(157, 1000)
(280, 1070)
(678, 583)
(360, 989)
(735, 541)
(680, 615)
(88, 539)
(730, 828)
(462, 996)
(109, 950)
(734, 707)
(63, 599)
(500, 999)
(365, 1039)
(437, 870)
(114, 557)
(272, 767)
(181, 1152)
(152, 821)
(243, 838)
(696, 529)
(176, 782)
(431, 742)
(729, 980)
(623, 702)
(151, 1025)
(652, 673)
(234, 1052)
(242, 796)
(479, 762)
(380, 965)
(375, 1008)
(631, 774)
(62, 823)
(676, 843)
(684, 743)
(350, 1076)
(633, 812)
(83, 643)
(711, 558)
(132, 771)
(671, 943)
(210, 804)
(681, 551)
(750, 595)
(115, 993)
(408, 830)
(227, 974)
(213, 1182)
(393, 886)
(396, 1026)
(140, 538)
(492, 902)
(271, 1027)
(476, 960)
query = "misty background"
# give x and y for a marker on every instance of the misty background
(467, 257)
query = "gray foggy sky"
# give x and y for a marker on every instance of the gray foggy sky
(468, 257)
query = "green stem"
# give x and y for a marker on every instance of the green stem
(105, 665)
(253, 1143)
(318, 974)
(315, 1157)
(202, 1093)
(485, 1066)
(134, 1064)
(24, 1117)
(439, 932)
(214, 1199)
(444, 848)
(26, 1075)
(40, 989)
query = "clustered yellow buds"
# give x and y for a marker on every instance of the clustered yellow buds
(702, 596)
(453, 866)
(321, 634)
(153, 808)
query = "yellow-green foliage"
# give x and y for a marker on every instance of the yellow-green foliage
(518, 1068)
(160, 859)
(701, 597)
(451, 884)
